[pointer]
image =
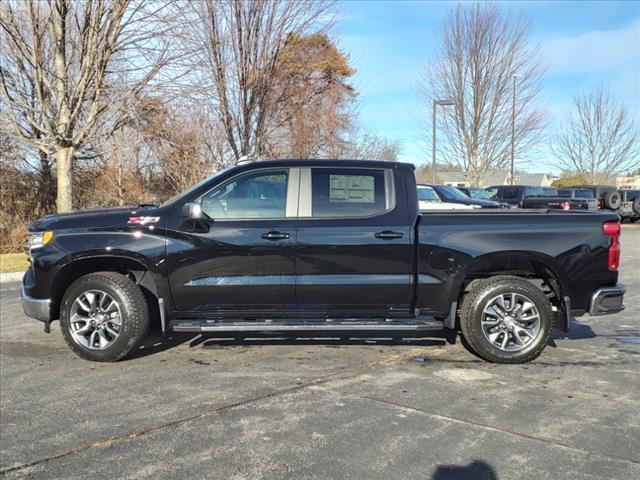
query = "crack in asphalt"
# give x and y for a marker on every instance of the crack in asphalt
(105, 442)
(145, 432)
(428, 353)
(495, 429)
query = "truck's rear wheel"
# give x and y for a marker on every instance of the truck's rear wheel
(104, 316)
(506, 319)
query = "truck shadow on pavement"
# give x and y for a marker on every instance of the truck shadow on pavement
(476, 470)
(577, 331)
(157, 343)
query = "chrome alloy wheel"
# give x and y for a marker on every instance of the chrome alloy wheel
(95, 320)
(510, 322)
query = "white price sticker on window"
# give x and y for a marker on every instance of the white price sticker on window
(352, 188)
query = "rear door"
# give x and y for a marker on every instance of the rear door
(355, 242)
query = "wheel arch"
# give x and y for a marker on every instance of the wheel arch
(534, 266)
(135, 269)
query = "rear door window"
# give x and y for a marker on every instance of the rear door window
(343, 192)
(492, 193)
(510, 193)
(533, 192)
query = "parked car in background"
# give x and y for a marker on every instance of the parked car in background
(453, 195)
(607, 196)
(528, 196)
(475, 192)
(630, 208)
(579, 198)
(428, 199)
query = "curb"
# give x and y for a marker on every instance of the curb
(11, 277)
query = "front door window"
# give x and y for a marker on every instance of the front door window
(259, 195)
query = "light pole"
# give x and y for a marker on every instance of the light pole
(433, 141)
(513, 130)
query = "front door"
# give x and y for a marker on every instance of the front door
(354, 243)
(239, 259)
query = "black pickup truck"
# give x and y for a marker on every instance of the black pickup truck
(319, 246)
(528, 196)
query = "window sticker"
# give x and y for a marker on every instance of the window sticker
(352, 188)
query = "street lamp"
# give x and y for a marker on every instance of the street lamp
(445, 102)
(513, 130)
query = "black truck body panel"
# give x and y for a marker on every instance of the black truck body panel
(393, 265)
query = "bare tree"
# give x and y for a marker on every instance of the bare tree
(481, 52)
(241, 43)
(57, 60)
(365, 145)
(598, 139)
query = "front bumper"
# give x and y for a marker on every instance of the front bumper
(607, 300)
(37, 308)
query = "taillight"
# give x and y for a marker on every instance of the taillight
(601, 203)
(612, 230)
(565, 205)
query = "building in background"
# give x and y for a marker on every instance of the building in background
(631, 182)
(459, 179)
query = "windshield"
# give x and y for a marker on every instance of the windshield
(550, 192)
(192, 189)
(426, 194)
(451, 193)
(479, 193)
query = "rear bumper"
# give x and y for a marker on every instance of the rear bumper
(37, 308)
(607, 300)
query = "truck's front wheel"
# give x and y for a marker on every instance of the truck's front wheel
(506, 319)
(104, 316)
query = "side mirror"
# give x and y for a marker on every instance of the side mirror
(192, 210)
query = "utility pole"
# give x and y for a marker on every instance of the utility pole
(513, 131)
(433, 139)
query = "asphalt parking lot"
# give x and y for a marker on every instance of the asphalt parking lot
(194, 407)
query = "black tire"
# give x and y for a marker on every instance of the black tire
(613, 200)
(133, 309)
(636, 205)
(471, 314)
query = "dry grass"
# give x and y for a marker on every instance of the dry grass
(13, 262)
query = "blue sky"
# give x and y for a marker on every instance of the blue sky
(584, 43)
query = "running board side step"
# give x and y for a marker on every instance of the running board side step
(408, 325)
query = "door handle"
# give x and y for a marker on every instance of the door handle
(276, 236)
(388, 235)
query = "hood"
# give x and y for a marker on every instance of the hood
(93, 218)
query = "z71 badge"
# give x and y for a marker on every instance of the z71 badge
(143, 220)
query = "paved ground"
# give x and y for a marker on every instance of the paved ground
(271, 408)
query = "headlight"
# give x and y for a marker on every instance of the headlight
(38, 239)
